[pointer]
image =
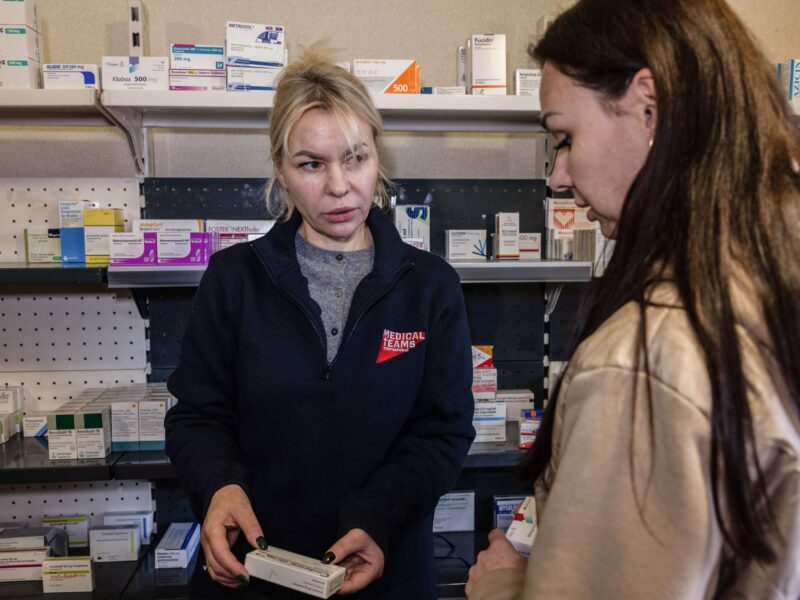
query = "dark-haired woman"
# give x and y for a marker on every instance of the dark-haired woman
(667, 465)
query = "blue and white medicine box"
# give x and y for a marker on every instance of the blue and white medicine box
(789, 73)
(504, 510)
(69, 76)
(254, 45)
(196, 57)
(177, 547)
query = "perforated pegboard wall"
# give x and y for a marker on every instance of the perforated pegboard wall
(33, 202)
(30, 502)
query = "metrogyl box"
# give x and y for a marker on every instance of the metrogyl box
(25, 538)
(142, 518)
(115, 543)
(140, 249)
(252, 79)
(19, 12)
(62, 437)
(254, 45)
(522, 531)
(506, 238)
(527, 82)
(75, 526)
(22, 565)
(233, 232)
(42, 245)
(516, 401)
(19, 74)
(69, 76)
(455, 511)
(135, 73)
(530, 246)
(196, 57)
(295, 571)
(177, 547)
(20, 41)
(484, 383)
(388, 76)
(487, 64)
(67, 574)
(465, 244)
(414, 223)
(482, 357)
(504, 510)
(489, 421)
(167, 225)
(197, 80)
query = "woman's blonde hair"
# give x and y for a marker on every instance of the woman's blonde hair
(314, 82)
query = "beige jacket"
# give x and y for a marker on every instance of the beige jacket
(593, 541)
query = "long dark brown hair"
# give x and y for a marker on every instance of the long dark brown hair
(719, 193)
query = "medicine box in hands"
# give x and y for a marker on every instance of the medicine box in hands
(295, 571)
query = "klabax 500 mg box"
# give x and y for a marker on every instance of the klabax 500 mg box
(295, 571)
(135, 73)
(388, 76)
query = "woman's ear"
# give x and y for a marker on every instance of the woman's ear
(641, 99)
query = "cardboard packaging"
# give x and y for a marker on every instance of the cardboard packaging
(482, 357)
(254, 45)
(522, 531)
(484, 383)
(529, 424)
(527, 82)
(20, 41)
(19, 12)
(489, 421)
(196, 80)
(177, 547)
(487, 64)
(69, 77)
(388, 76)
(167, 225)
(134, 249)
(252, 79)
(414, 224)
(142, 519)
(516, 401)
(67, 574)
(34, 424)
(295, 571)
(455, 512)
(19, 74)
(504, 510)
(22, 565)
(24, 538)
(530, 246)
(135, 72)
(465, 244)
(236, 231)
(196, 57)
(506, 238)
(115, 543)
(42, 245)
(75, 526)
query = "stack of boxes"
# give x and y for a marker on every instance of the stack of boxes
(255, 55)
(24, 549)
(20, 45)
(489, 419)
(571, 236)
(196, 68)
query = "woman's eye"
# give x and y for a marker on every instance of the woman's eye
(354, 159)
(312, 165)
(564, 143)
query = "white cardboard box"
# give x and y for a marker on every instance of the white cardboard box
(527, 82)
(177, 547)
(19, 12)
(522, 531)
(75, 526)
(484, 383)
(20, 41)
(254, 45)
(34, 537)
(455, 512)
(135, 73)
(22, 565)
(506, 238)
(530, 246)
(197, 57)
(465, 244)
(67, 574)
(143, 518)
(414, 223)
(295, 571)
(115, 543)
(388, 76)
(69, 77)
(489, 421)
(487, 64)
(252, 79)
(19, 73)
(196, 80)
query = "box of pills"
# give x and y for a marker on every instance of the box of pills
(42, 245)
(124, 424)
(461, 66)
(99, 224)
(233, 232)
(10, 399)
(67, 574)
(34, 424)
(69, 77)
(70, 212)
(70, 217)
(62, 436)
(465, 244)
(115, 543)
(530, 246)
(484, 383)
(93, 432)
(456, 90)
(482, 357)
(516, 401)
(504, 510)
(177, 547)
(167, 225)
(135, 73)
(134, 249)
(252, 79)
(25, 538)
(254, 45)
(196, 57)
(19, 73)
(455, 512)
(295, 571)
(414, 224)
(529, 424)
(185, 248)
(19, 41)
(487, 64)
(143, 519)
(506, 238)
(22, 565)
(522, 531)
(19, 12)
(75, 526)
(790, 78)
(8, 426)
(196, 80)
(388, 76)
(527, 82)
(108, 217)
(489, 421)
(151, 424)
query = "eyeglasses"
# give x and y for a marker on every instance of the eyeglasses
(556, 146)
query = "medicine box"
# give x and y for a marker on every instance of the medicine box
(197, 80)
(177, 547)
(42, 245)
(99, 224)
(235, 231)
(142, 519)
(461, 66)
(75, 526)
(484, 383)
(522, 531)
(19, 12)
(93, 431)
(487, 64)
(482, 357)
(529, 424)
(530, 246)
(504, 510)
(67, 574)
(184, 248)
(527, 82)
(20, 41)
(252, 79)
(135, 73)
(124, 424)
(151, 424)
(197, 57)
(295, 571)
(388, 76)
(19, 73)
(506, 238)
(790, 78)
(465, 244)
(414, 224)
(11, 399)
(254, 45)
(489, 421)
(62, 436)
(516, 401)
(167, 225)
(34, 424)
(134, 249)
(115, 543)
(69, 77)
(455, 511)
(8, 426)
(22, 565)
(25, 538)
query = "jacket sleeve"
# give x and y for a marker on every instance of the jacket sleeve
(623, 518)
(201, 429)
(426, 459)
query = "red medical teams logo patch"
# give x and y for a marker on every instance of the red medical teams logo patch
(395, 343)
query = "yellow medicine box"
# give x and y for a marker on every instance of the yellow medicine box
(109, 217)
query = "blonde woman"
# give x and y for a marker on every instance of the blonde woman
(324, 384)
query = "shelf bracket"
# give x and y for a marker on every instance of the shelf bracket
(131, 123)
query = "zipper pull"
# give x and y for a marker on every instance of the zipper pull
(328, 373)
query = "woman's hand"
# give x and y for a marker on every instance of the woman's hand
(357, 552)
(499, 555)
(228, 514)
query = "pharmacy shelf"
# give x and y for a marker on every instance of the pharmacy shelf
(55, 273)
(52, 108)
(26, 460)
(149, 583)
(402, 112)
(515, 271)
(495, 455)
(147, 277)
(151, 464)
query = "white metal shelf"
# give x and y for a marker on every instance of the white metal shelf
(51, 108)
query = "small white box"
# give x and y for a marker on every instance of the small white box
(34, 425)
(484, 384)
(135, 73)
(196, 80)
(527, 82)
(295, 571)
(8, 426)
(167, 225)
(62, 437)
(252, 79)
(455, 512)
(22, 565)
(177, 547)
(414, 223)
(19, 73)
(487, 64)
(19, 12)
(42, 245)
(197, 57)
(151, 424)
(115, 543)
(388, 76)
(69, 77)
(506, 238)
(124, 425)
(482, 357)
(489, 421)
(530, 246)
(454, 90)
(522, 531)
(465, 244)
(143, 519)
(516, 401)
(254, 45)
(20, 41)
(97, 242)
(75, 526)
(67, 574)
(93, 431)
(25, 538)
(70, 212)
(10, 399)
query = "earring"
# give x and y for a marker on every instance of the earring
(650, 143)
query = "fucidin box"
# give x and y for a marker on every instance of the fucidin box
(487, 64)
(295, 571)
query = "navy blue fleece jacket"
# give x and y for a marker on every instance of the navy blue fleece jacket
(371, 440)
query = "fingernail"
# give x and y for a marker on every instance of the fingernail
(328, 558)
(243, 580)
(262, 542)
